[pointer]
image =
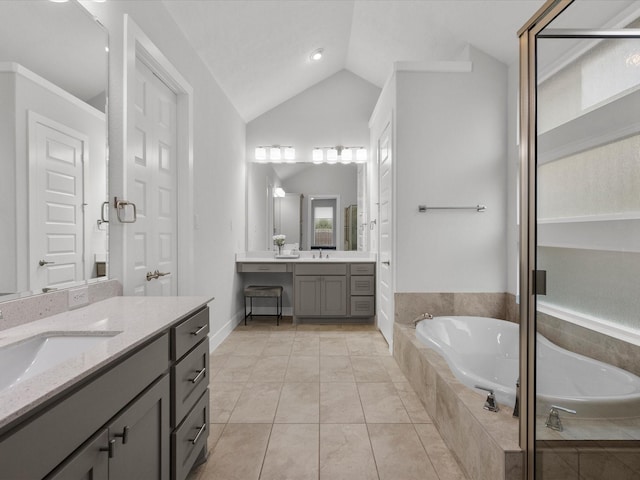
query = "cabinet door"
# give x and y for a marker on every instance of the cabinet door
(142, 437)
(334, 296)
(307, 295)
(90, 461)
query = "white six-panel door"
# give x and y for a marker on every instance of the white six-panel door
(385, 301)
(151, 241)
(56, 213)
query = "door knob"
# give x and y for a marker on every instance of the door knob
(386, 263)
(42, 263)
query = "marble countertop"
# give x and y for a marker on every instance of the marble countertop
(334, 256)
(133, 319)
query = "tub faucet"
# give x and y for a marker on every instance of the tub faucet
(424, 316)
(490, 403)
(553, 422)
(320, 254)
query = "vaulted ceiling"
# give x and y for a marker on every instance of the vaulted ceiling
(258, 50)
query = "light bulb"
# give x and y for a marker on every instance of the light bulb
(275, 154)
(261, 153)
(317, 155)
(289, 153)
(332, 155)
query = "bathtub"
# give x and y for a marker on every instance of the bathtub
(484, 351)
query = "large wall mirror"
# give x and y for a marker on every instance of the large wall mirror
(315, 206)
(53, 147)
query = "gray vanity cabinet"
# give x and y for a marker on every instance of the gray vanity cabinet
(320, 290)
(189, 393)
(362, 290)
(144, 416)
(134, 445)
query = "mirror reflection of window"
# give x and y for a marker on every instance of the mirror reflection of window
(324, 231)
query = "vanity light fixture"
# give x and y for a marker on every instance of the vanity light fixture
(279, 192)
(340, 154)
(275, 153)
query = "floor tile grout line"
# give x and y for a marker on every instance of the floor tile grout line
(264, 456)
(373, 453)
(426, 451)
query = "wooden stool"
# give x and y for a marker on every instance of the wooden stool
(264, 291)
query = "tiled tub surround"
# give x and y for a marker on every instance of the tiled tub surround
(137, 319)
(486, 443)
(410, 305)
(35, 307)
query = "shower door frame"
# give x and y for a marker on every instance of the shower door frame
(528, 35)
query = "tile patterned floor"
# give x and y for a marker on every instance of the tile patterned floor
(322, 402)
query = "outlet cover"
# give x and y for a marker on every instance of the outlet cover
(78, 297)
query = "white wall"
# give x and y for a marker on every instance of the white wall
(513, 172)
(333, 112)
(451, 151)
(260, 177)
(218, 152)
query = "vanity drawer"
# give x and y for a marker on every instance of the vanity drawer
(363, 306)
(324, 269)
(190, 437)
(362, 268)
(191, 379)
(189, 333)
(362, 285)
(262, 267)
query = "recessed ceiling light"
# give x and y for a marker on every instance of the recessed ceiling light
(316, 55)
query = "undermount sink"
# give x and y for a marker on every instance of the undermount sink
(23, 360)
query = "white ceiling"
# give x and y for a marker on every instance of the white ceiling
(258, 49)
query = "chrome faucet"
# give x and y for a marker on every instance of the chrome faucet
(424, 316)
(553, 422)
(490, 403)
(320, 253)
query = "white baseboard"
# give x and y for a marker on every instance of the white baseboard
(215, 339)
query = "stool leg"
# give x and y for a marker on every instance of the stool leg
(245, 311)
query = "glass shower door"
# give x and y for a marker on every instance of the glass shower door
(587, 308)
